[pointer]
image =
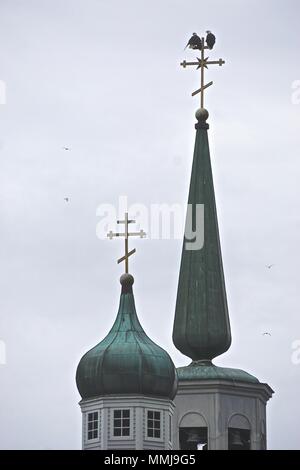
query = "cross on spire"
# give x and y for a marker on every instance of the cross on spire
(202, 64)
(126, 234)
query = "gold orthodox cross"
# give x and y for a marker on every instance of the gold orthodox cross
(126, 234)
(202, 64)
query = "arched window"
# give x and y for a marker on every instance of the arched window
(193, 432)
(239, 433)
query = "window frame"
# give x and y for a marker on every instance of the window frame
(161, 427)
(112, 421)
(94, 439)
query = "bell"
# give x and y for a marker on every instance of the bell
(193, 437)
(236, 439)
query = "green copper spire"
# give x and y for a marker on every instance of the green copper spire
(201, 326)
(126, 361)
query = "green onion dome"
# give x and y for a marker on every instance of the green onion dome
(126, 361)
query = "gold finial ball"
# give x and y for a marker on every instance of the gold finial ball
(201, 114)
(126, 279)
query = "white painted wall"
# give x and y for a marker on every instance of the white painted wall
(218, 405)
(138, 406)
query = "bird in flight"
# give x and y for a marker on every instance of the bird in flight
(269, 266)
(194, 42)
(66, 199)
(66, 148)
(267, 333)
(210, 39)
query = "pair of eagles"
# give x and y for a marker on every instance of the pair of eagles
(196, 43)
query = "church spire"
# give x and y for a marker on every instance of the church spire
(201, 325)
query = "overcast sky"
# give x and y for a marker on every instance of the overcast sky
(102, 77)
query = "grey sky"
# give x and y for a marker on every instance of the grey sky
(103, 78)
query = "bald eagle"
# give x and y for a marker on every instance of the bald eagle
(210, 39)
(194, 42)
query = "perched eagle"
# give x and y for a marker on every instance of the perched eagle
(194, 42)
(210, 39)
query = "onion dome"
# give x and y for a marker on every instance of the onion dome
(126, 361)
